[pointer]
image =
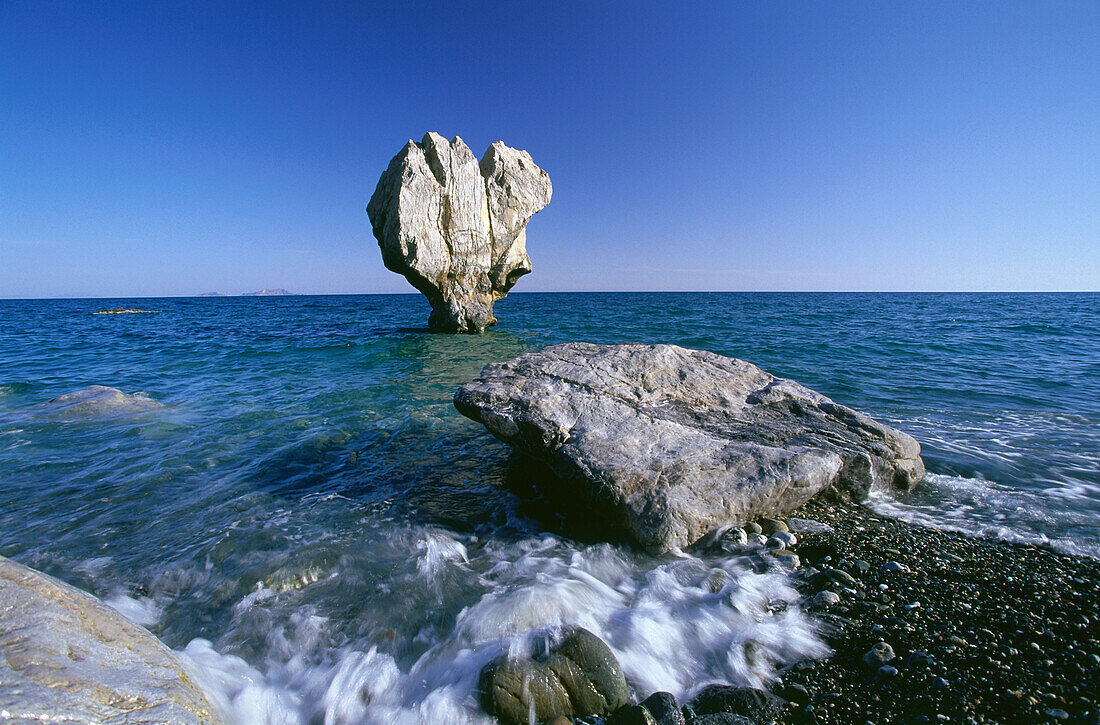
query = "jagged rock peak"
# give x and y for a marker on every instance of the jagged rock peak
(456, 227)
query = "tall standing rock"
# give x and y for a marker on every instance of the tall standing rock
(456, 228)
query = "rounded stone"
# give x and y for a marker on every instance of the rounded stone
(663, 707)
(788, 539)
(770, 526)
(756, 705)
(824, 599)
(578, 676)
(879, 654)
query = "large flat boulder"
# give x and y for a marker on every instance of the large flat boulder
(667, 443)
(67, 657)
(456, 227)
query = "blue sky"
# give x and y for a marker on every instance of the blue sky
(152, 148)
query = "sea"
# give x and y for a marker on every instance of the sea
(308, 520)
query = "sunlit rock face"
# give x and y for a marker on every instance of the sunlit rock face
(65, 656)
(455, 227)
(666, 444)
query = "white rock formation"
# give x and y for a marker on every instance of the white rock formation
(456, 228)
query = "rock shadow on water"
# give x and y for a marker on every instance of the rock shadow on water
(414, 474)
(544, 498)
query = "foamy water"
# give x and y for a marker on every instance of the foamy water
(676, 624)
(990, 510)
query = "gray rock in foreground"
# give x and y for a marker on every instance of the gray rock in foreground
(456, 228)
(67, 657)
(667, 443)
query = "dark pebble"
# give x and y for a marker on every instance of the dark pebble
(631, 715)
(757, 705)
(720, 718)
(663, 707)
(796, 693)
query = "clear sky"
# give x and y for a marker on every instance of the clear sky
(152, 148)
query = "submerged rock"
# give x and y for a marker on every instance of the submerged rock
(667, 443)
(67, 657)
(578, 676)
(456, 228)
(100, 400)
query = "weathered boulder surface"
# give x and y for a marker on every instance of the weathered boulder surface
(67, 657)
(456, 228)
(668, 443)
(579, 676)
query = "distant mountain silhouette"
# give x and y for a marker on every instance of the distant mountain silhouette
(268, 293)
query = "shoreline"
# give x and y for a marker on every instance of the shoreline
(981, 631)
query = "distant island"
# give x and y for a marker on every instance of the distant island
(268, 293)
(280, 292)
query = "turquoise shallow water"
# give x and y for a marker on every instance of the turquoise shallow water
(310, 517)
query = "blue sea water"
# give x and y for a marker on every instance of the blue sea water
(312, 523)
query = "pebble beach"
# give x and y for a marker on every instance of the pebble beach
(978, 631)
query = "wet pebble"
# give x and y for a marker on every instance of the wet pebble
(795, 693)
(770, 526)
(879, 654)
(788, 539)
(824, 599)
(663, 707)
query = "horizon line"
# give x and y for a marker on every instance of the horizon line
(414, 293)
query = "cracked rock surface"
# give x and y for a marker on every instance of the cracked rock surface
(667, 444)
(456, 227)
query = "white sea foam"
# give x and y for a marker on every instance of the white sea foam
(140, 610)
(987, 509)
(675, 624)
